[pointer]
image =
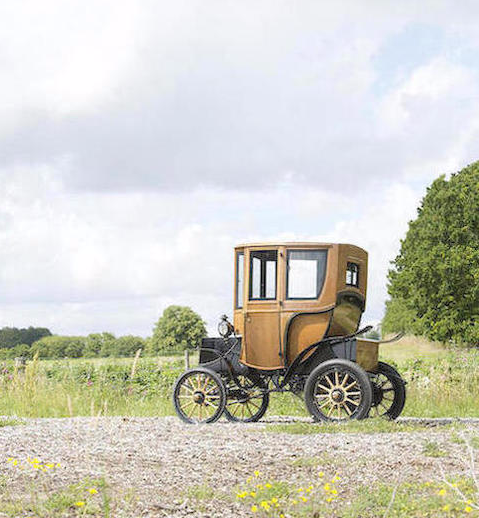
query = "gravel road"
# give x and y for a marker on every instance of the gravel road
(149, 463)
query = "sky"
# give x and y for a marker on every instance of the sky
(141, 140)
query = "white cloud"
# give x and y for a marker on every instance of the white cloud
(140, 141)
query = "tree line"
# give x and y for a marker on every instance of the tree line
(178, 328)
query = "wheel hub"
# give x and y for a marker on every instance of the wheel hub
(337, 395)
(199, 397)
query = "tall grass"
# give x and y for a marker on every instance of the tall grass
(64, 388)
(441, 383)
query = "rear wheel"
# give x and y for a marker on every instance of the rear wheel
(247, 400)
(338, 390)
(389, 392)
(199, 396)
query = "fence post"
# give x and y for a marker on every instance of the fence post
(20, 363)
(187, 359)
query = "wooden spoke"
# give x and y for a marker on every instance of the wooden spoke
(324, 403)
(327, 389)
(350, 385)
(355, 403)
(346, 377)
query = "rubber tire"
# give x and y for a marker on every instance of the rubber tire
(399, 387)
(259, 414)
(345, 366)
(221, 387)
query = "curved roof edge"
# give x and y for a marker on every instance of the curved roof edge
(292, 243)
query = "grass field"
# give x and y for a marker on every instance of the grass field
(441, 383)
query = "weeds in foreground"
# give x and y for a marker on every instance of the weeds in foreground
(275, 498)
(36, 493)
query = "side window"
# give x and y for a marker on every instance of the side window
(352, 275)
(239, 279)
(263, 269)
(306, 273)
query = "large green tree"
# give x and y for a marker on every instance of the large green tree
(179, 328)
(434, 282)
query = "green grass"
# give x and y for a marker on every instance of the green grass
(440, 383)
(433, 449)
(10, 421)
(366, 426)
(45, 502)
(411, 347)
(411, 500)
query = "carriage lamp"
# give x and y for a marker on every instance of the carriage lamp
(225, 328)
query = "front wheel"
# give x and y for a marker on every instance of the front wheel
(389, 392)
(338, 390)
(199, 396)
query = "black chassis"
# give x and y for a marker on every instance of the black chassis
(222, 356)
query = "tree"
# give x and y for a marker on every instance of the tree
(179, 328)
(434, 281)
(59, 347)
(123, 346)
(12, 336)
(96, 343)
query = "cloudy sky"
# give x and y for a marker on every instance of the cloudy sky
(141, 140)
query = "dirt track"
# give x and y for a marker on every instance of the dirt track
(156, 460)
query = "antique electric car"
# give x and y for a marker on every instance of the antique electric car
(297, 310)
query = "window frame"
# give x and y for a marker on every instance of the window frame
(237, 293)
(358, 269)
(250, 287)
(320, 290)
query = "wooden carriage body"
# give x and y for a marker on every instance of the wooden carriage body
(288, 296)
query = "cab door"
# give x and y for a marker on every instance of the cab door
(262, 341)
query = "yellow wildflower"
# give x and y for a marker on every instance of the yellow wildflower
(304, 499)
(243, 494)
(327, 487)
(268, 485)
(300, 490)
(249, 479)
(468, 509)
(253, 494)
(254, 508)
(321, 474)
(447, 507)
(79, 504)
(259, 486)
(265, 505)
(256, 473)
(294, 502)
(442, 492)
(334, 492)
(274, 500)
(329, 499)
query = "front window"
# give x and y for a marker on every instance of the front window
(239, 279)
(263, 267)
(352, 275)
(306, 273)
